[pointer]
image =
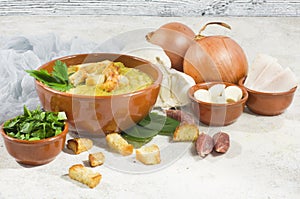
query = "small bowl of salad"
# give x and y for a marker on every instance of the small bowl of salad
(36, 137)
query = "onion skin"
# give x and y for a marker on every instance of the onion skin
(215, 58)
(174, 38)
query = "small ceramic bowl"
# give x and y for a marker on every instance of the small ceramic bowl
(268, 104)
(102, 114)
(216, 114)
(35, 152)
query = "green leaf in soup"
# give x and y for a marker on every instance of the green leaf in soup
(41, 75)
(58, 86)
(57, 80)
(60, 70)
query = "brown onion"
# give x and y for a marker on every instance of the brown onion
(174, 38)
(215, 58)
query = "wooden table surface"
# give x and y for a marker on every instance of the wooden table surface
(166, 8)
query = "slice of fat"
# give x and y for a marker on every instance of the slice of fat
(271, 71)
(259, 64)
(284, 81)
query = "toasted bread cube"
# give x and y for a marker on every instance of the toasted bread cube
(116, 142)
(79, 145)
(84, 175)
(148, 154)
(96, 159)
(186, 132)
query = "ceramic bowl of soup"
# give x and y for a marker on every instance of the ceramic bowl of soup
(101, 112)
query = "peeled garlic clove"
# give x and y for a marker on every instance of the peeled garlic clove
(233, 94)
(216, 93)
(202, 95)
(219, 99)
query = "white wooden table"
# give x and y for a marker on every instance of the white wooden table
(163, 8)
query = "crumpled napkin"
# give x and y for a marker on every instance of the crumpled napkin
(21, 53)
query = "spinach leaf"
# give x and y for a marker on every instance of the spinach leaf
(57, 80)
(153, 124)
(35, 124)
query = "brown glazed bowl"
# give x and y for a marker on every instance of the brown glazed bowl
(102, 114)
(216, 114)
(268, 104)
(35, 152)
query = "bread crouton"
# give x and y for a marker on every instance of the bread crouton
(186, 132)
(79, 145)
(116, 142)
(96, 159)
(148, 154)
(84, 175)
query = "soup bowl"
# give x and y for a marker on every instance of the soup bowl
(102, 114)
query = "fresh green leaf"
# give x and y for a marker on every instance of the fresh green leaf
(35, 124)
(60, 70)
(149, 127)
(136, 142)
(57, 80)
(61, 116)
(33, 139)
(141, 132)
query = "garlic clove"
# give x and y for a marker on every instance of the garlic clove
(219, 99)
(233, 94)
(202, 95)
(216, 93)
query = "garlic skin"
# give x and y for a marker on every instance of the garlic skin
(175, 84)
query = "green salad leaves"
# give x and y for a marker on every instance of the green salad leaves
(57, 80)
(152, 125)
(35, 125)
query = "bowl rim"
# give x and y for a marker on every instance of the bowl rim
(241, 101)
(241, 83)
(46, 140)
(156, 83)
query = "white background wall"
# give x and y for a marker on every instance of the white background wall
(152, 7)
